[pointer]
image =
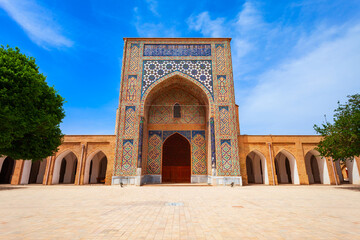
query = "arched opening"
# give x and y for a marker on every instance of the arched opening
(33, 172)
(35, 167)
(288, 171)
(316, 168)
(176, 160)
(177, 111)
(62, 170)
(348, 172)
(286, 168)
(257, 163)
(7, 170)
(249, 170)
(176, 104)
(95, 168)
(65, 168)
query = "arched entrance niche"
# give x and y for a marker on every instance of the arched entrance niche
(95, 168)
(176, 160)
(286, 168)
(256, 168)
(316, 168)
(65, 168)
(348, 172)
(353, 172)
(7, 165)
(33, 172)
(176, 104)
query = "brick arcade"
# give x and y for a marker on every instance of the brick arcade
(177, 121)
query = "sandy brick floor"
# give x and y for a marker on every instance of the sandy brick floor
(175, 212)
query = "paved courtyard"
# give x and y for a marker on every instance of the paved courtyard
(179, 212)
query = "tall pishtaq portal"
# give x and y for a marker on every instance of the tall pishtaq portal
(177, 118)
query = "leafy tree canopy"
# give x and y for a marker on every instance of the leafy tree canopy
(30, 110)
(342, 138)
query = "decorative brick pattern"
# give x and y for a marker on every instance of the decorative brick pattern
(225, 167)
(154, 152)
(224, 120)
(161, 111)
(128, 164)
(134, 58)
(198, 153)
(220, 58)
(129, 121)
(223, 93)
(131, 89)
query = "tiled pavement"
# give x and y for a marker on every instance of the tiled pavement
(175, 212)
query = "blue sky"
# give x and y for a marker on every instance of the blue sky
(292, 60)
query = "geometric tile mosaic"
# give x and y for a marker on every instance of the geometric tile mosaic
(223, 93)
(154, 152)
(161, 110)
(186, 134)
(135, 57)
(226, 161)
(201, 70)
(129, 121)
(220, 58)
(224, 120)
(127, 163)
(198, 153)
(131, 89)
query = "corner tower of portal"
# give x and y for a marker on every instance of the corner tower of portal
(195, 75)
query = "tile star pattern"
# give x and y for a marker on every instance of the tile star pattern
(201, 70)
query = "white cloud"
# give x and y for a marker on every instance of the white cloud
(204, 24)
(241, 29)
(150, 29)
(153, 5)
(286, 76)
(37, 22)
(292, 97)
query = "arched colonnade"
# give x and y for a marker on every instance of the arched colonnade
(285, 168)
(80, 160)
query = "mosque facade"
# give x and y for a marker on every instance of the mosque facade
(177, 122)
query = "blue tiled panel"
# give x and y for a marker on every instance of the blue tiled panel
(177, 50)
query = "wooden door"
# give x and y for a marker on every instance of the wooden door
(176, 162)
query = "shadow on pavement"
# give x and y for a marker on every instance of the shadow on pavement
(2, 188)
(353, 188)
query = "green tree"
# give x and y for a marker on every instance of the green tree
(342, 138)
(30, 110)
